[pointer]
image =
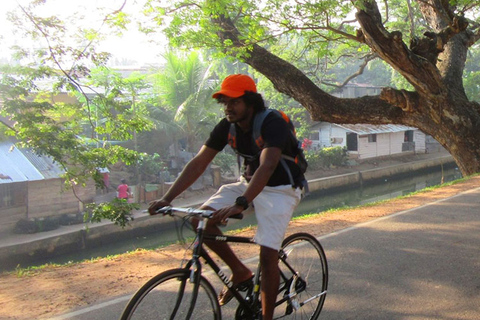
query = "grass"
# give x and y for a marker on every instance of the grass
(371, 204)
(31, 270)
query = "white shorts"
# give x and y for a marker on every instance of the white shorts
(273, 208)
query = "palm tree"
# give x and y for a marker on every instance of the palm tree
(185, 91)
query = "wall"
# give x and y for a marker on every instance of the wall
(10, 216)
(360, 177)
(420, 141)
(386, 144)
(45, 198)
(50, 197)
(327, 135)
(338, 137)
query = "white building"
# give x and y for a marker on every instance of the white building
(365, 141)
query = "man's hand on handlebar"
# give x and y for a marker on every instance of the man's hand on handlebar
(157, 204)
(222, 215)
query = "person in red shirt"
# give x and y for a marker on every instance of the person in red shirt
(123, 190)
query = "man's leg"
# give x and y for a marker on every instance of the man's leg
(240, 272)
(273, 208)
(270, 280)
(225, 196)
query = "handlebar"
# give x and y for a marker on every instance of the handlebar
(169, 210)
(189, 211)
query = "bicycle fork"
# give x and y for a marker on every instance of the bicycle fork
(195, 271)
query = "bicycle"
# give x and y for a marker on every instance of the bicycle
(185, 293)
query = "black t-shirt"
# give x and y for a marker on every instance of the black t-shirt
(275, 133)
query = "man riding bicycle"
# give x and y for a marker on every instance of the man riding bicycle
(265, 185)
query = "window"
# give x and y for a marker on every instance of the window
(352, 141)
(372, 138)
(12, 194)
(6, 196)
(315, 136)
(408, 136)
(408, 144)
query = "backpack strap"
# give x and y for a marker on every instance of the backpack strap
(287, 170)
(232, 141)
(232, 137)
(257, 136)
(257, 127)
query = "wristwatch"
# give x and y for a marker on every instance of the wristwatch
(242, 202)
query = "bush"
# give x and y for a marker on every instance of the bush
(119, 211)
(24, 226)
(69, 219)
(326, 158)
(47, 223)
(27, 226)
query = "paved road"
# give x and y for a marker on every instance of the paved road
(417, 264)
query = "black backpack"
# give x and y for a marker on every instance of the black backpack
(299, 159)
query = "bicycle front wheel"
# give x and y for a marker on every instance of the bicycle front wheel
(170, 295)
(304, 278)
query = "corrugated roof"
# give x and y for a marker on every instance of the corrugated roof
(362, 129)
(18, 165)
(44, 164)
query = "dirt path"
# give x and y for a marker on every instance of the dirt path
(55, 290)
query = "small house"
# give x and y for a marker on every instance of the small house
(364, 141)
(31, 187)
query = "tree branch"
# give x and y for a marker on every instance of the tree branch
(289, 80)
(7, 125)
(406, 100)
(360, 70)
(424, 76)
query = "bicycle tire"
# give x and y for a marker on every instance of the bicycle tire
(163, 297)
(306, 256)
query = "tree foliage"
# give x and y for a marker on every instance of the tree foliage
(60, 100)
(118, 210)
(294, 44)
(57, 129)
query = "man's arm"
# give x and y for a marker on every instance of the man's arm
(269, 159)
(192, 171)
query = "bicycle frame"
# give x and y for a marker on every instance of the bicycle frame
(194, 265)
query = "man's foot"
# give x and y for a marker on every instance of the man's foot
(225, 296)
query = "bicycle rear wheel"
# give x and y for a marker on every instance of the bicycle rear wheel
(169, 295)
(304, 278)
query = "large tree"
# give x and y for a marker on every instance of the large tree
(439, 34)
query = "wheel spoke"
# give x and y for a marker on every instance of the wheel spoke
(303, 267)
(170, 295)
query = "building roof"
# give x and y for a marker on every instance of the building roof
(363, 129)
(18, 165)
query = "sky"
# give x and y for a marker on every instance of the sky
(132, 46)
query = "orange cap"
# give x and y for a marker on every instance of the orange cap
(235, 85)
